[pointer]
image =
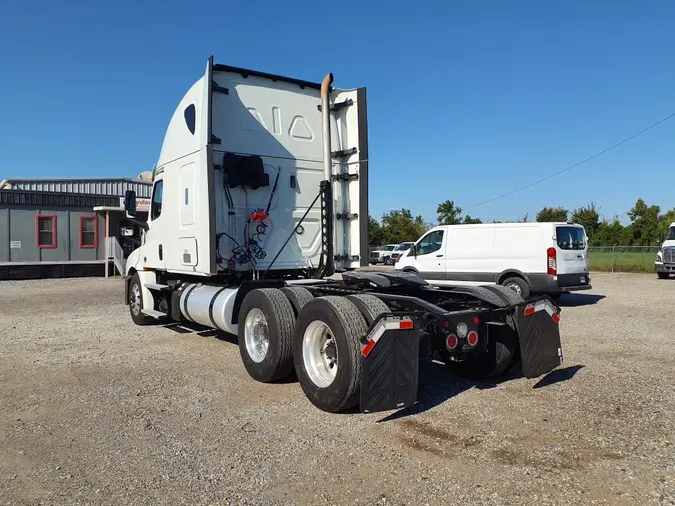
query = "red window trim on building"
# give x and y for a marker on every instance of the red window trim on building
(89, 246)
(37, 231)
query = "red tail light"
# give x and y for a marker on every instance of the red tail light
(472, 338)
(451, 342)
(552, 263)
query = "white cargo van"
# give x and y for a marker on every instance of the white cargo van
(549, 258)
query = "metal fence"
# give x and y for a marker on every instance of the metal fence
(619, 258)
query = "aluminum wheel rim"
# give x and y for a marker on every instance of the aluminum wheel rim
(136, 299)
(319, 354)
(256, 335)
(514, 287)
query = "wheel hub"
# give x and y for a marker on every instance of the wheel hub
(514, 287)
(320, 354)
(135, 299)
(256, 335)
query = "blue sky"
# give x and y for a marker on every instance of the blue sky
(467, 100)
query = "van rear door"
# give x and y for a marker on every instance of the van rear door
(572, 255)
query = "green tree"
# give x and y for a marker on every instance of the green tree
(590, 219)
(375, 232)
(644, 229)
(448, 213)
(612, 233)
(468, 220)
(400, 226)
(549, 214)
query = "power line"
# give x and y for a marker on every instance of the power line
(576, 164)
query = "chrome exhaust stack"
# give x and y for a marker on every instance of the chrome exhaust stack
(325, 116)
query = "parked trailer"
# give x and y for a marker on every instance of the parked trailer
(249, 153)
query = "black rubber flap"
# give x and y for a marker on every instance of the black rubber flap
(390, 371)
(539, 335)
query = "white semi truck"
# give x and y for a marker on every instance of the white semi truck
(260, 195)
(665, 258)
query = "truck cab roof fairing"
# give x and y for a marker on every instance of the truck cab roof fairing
(188, 129)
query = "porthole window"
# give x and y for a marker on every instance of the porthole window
(191, 118)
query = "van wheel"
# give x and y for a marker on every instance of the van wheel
(136, 302)
(518, 285)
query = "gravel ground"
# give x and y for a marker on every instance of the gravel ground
(98, 411)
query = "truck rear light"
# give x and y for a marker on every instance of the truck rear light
(472, 338)
(552, 263)
(451, 342)
(406, 324)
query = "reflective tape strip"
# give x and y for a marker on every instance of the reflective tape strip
(542, 306)
(382, 326)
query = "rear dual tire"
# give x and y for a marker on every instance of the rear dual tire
(265, 334)
(502, 349)
(500, 354)
(327, 352)
(318, 337)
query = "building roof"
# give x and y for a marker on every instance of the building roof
(28, 198)
(111, 187)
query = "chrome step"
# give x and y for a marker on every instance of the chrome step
(154, 314)
(155, 286)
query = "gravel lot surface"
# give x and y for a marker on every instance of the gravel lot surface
(98, 411)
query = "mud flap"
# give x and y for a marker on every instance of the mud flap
(539, 335)
(390, 363)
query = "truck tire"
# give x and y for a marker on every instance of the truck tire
(663, 275)
(370, 306)
(327, 352)
(265, 332)
(506, 294)
(498, 357)
(136, 302)
(512, 298)
(518, 285)
(298, 296)
(483, 293)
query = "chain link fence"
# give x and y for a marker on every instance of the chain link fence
(622, 258)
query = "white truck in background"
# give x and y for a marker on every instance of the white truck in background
(260, 194)
(665, 258)
(530, 258)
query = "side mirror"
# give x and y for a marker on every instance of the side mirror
(130, 203)
(661, 237)
(414, 250)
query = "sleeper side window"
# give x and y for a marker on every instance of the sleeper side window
(430, 243)
(156, 208)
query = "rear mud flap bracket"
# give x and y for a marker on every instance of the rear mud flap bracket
(539, 336)
(390, 363)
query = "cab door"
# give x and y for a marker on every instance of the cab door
(430, 255)
(155, 250)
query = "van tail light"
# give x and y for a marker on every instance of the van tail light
(552, 263)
